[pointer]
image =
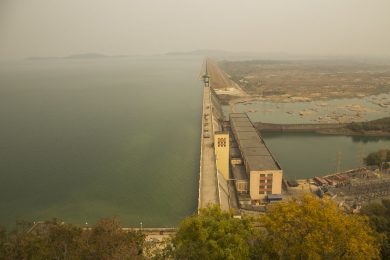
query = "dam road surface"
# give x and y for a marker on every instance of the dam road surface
(213, 188)
(208, 182)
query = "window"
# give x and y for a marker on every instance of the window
(221, 142)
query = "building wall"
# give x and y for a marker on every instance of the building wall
(242, 186)
(265, 182)
(221, 148)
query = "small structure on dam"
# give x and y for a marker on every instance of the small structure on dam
(254, 169)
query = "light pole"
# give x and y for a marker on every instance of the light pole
(141, 225)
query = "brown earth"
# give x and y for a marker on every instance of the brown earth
(293, 81)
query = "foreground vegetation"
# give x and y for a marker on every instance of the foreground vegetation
(304, 228)
(379, 215)
(57, 240)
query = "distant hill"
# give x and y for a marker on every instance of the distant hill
(83, 56)
(41, 58)
(87, 56)
(201, 52)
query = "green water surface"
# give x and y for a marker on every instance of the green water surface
(86, 139)
(305, 155)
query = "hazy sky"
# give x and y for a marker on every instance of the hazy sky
(62, 27)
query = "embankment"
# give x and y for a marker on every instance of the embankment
(326, 129)
(269, 127)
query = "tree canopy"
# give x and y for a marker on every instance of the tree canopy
(58, 240)
(302, 228)
(378, 158)
(213, 234)
(312, 228)
(379, 215)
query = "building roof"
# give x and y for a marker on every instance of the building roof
(241, 119)
(249, 143)
(234, 152)
(253, 149)
(239, 172)
(261, 150)
(242, 123)
(248, 135)
(261, 163)
(245, 129)
(236, 115)
(222, 132)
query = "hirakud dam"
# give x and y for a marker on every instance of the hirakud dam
(86, 139)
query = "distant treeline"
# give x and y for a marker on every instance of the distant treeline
(380, 158)
(382, 124)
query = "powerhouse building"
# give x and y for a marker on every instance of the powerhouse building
(253, 167)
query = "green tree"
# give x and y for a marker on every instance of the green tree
(312, 228)
(379, 216)
(213, 234)
(3, 241)
(107, 240)
(20, 244)
(378, 158)
(356, 127)
(65, 240)
(57, 240)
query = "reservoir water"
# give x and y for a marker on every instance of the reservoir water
(86, 139)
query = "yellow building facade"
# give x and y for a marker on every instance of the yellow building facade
(263, 183)
(221, 149)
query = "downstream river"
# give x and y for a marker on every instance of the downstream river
(85, 139)
(304, 155)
